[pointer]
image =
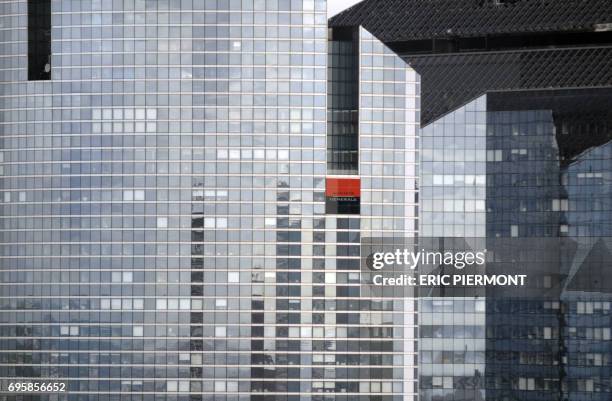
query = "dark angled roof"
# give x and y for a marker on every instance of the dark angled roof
(451, 80)
(404, 20)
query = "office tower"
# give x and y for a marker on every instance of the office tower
(371, 192)
(174, 224)
(516, 129)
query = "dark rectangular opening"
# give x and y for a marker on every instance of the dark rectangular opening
(39, 40)
(343, 102)
(342, 206)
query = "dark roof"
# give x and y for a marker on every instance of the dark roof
(450, 80)
(404, 20)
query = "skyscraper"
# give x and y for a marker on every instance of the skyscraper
(515, 144)
(183, 199)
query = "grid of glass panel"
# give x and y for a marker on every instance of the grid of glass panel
(159, 198)
(519, 165)
(547, 159)
(453, 194)
(162, 229)
(389, 111)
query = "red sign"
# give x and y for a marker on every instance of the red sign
(343, 187)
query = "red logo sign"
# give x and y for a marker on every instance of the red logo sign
(343, 187)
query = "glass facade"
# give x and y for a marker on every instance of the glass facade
(453, 191)
(548, 154)
(163, 233)
(530, 164)
(389, 110)
(515, 140)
